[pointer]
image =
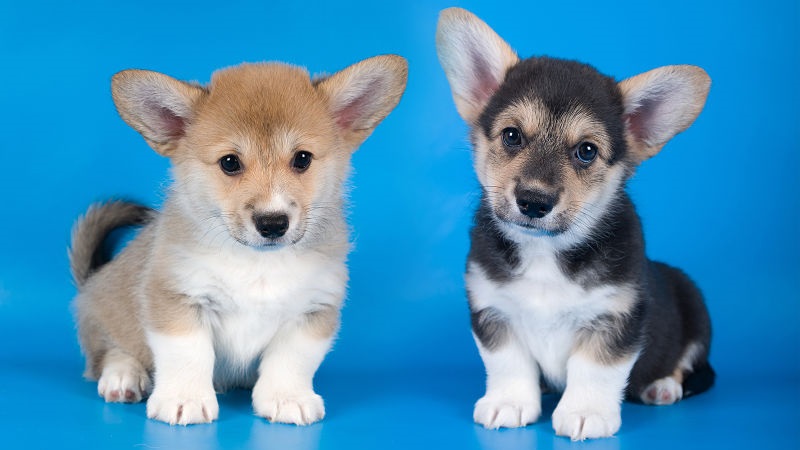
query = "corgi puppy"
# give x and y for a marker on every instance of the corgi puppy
(239, 280)
(559, 287)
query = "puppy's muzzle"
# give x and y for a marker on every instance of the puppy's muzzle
(534, 203)
(271, 226)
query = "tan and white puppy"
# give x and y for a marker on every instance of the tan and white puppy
(560, 287)
(239, 280)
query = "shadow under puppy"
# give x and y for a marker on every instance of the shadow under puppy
(239, 280)
(558, 282)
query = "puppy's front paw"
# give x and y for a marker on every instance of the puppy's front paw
(299, 408)
(123, 384)
(579, 422)
(183, 409)
(494, 413)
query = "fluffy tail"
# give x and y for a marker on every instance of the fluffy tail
(89, 249)
(700, 380)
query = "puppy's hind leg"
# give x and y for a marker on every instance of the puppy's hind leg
(689, 378)
(123, 378)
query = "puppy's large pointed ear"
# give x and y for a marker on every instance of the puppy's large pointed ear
(157, 106)
(474, 58)
(660, 104)
(362, 95)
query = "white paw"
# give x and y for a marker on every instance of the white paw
(664, 391)
(123, 384)
(586, 421)
(182, 409)
(497, 413)
(299, 408)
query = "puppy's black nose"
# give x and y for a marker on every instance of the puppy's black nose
(271, 226)
(535, 204)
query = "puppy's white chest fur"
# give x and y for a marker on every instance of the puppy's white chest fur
(544, 307)
(245, 296)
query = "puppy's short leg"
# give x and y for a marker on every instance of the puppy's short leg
(184, 370)
(123, 379)
(513, 395)
(284, 391)
(664, 391)
(590, 406)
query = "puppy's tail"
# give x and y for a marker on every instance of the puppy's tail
(89, 250)
(700, 380)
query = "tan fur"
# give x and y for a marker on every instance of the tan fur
(687, 87)
(323, 323)
(108, 310)
(264, 114)
(501, 172)
(499, 57)
(593, 344)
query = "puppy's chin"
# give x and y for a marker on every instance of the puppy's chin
(253, 240)
(539, 228)
(265, 244)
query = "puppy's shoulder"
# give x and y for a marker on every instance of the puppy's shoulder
(614, 252)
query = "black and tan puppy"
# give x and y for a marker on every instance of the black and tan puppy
(559, 285)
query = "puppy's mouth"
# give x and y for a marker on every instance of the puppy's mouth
(534, 227)
(268, 244)
(551, 225)
(265, 234)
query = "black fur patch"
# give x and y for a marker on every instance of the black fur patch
(613, 254)
(137, 215)
(490, 249)
(491, 327)
(619, 335)
(676, 317)
(561, 85)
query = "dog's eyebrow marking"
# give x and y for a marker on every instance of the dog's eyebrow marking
(491, 327)
(529, 114)
(579, 125)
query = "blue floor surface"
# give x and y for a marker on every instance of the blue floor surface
(45, 404)
(720, 201)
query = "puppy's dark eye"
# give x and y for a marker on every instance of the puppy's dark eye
(586, 152)
(301, 161)
(230, 165)
(512, 137)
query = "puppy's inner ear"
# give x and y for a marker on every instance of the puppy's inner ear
(353, 110)
(474, 58)
(362, 95)
(157, 106)
(660, 104)
(173, 126)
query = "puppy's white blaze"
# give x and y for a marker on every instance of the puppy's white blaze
(546, 309)
(590, 406)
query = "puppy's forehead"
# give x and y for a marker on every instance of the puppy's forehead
(567, 92)
(259, 98)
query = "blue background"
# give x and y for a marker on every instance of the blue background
(720, 201)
